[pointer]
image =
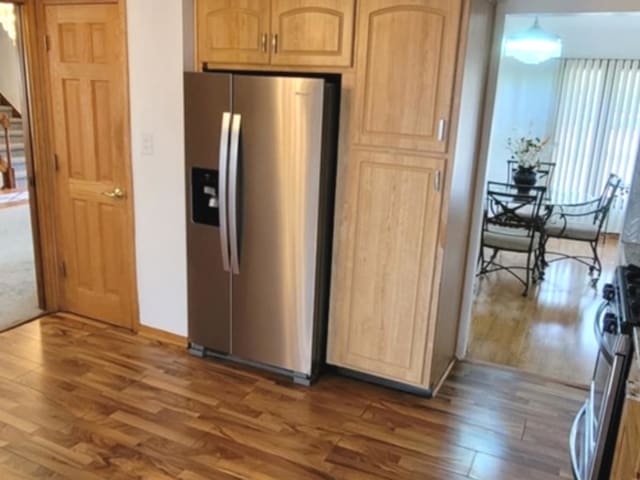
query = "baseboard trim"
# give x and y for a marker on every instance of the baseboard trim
(383, 382)
(163, 336)
(444, 377)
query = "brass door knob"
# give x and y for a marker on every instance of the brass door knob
(116, 193)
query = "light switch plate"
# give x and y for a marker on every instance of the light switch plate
(147, 143)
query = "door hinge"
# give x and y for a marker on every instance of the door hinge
(56, 162)
(47, 42)
(436, 181)
(64, 269)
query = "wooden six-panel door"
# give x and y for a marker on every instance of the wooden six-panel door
(88, 79)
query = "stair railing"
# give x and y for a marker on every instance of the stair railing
(6, 169)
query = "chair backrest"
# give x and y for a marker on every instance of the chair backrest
(545, 173)
(507, 206)
(607, 197)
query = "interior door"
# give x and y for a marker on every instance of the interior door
(273, 218)
(88, 79)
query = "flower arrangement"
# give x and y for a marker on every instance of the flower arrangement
(526, 151)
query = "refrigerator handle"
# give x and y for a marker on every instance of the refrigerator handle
(233, 192)
(222, 187)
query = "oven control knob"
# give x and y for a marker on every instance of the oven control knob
(609, 292)
(610, 323)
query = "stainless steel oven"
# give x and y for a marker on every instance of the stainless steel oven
(594, 431)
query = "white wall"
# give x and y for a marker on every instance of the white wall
(587, 35)
(631, 230)
(10, 78)
(462, 180)
(188, 35)
(565, 6)
(525, 106)
(155, 75)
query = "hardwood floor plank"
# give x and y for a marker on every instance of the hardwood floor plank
(104, 403)
(398, 462)
(486, 467)
(550, 332)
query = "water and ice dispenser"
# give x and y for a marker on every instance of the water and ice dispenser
(205, 200)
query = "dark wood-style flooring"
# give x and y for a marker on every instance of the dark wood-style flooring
(80, 400)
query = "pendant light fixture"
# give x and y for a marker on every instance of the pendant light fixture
(533, 46)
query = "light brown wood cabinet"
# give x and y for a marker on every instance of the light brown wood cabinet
(276, 32)
(396, 114)
(390, 193)
(406, 66)
(382, 295)
(233, 31)
(626, 463)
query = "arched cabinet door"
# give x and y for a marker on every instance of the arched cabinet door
(312, 32)
(405, 65)
(234, 31)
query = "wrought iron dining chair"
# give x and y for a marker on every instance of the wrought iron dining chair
(581, 222)
(513, 223)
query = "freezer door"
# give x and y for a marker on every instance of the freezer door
(273, 209)
(207, 125)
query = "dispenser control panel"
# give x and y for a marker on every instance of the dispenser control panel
(205, 202)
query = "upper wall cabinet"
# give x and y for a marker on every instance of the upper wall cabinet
(406, 67)
(312, 32)
(233, 31)
(278, 32)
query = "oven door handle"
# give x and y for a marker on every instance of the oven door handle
(599, 333)
(573, 448)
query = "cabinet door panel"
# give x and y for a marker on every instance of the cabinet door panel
(406, 67)
(626, 464)
(312, 32)
(382, 290)
(233, 31)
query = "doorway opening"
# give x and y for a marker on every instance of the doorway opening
(20, 297)
(541, 268)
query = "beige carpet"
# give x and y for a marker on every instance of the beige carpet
(18, 295)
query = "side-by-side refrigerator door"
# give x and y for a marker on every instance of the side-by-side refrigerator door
(274, 179)
(207, 130)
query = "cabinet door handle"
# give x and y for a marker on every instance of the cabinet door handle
(263, 42)
(442, 129)
(274, 43)
(436, 181)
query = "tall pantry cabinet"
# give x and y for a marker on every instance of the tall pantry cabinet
(398, 60)
(387, 250)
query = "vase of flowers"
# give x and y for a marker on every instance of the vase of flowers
(526, 152)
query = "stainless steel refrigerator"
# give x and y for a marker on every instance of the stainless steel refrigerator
(260, 172)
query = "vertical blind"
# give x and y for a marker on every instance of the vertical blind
(597, 130)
